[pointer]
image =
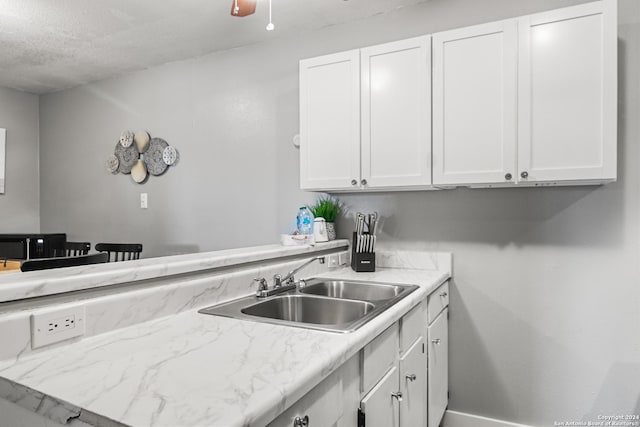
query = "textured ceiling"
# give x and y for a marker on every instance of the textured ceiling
(50, 45)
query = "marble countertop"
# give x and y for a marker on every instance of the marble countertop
(195, 370)
(49, 282)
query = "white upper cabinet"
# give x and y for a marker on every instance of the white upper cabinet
(567, 94)
(526, 101)
(330, 121)
(474, 98)
(396, 111)
(530, 100)
(382, 93)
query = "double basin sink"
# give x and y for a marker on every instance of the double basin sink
(323, 304)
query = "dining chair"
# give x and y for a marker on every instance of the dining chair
(120, 251)
(76, 248)
(60, 262)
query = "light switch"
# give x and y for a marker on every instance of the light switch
(144, 201)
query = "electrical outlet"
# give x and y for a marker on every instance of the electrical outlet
(333, 261)
(51, 326)
(144, 201)
(343, 258)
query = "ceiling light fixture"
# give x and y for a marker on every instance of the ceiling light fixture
(270, 26)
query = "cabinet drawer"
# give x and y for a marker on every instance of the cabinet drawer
(378, 356)
(412, 327)
(323, 405)
(437, 301)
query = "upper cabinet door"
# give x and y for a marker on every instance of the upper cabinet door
(396, 114)
(474, 105)
(567, 94)
(330, 121)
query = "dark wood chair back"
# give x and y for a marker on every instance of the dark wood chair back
(60, 262)
(120, 251)
(77, 248)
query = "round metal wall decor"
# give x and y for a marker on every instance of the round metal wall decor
(126, 139)
(127, 157)
(153, 156)
(169, 155)
(141, 156)
(112, 163)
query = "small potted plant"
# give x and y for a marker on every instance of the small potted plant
(328, 208)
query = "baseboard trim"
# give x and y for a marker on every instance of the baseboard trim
(462, 419)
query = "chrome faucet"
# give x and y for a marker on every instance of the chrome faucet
(282, 284)
(289, 279)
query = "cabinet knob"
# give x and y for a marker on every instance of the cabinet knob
(508, 176)
(397, 395)
(444, 294)
(411, 377)
(354, 182)
(301, 422)
(363, 182)
(436, 341)
(524, 174)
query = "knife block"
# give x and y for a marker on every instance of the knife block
(362, 261)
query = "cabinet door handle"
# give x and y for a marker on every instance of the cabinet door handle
(508, 176)
(436, 341)
(524, 174)
(411, 377)
(444, 294)
(354, 182)
(363, 182)
(301, 422)
(397, 395)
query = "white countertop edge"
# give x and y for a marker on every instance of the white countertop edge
(17, 286)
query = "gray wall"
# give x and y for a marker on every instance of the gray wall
(546, 301)
(20, 204)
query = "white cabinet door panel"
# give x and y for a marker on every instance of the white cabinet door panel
(413, 382)
(567, 104)
(396, 112)
(474, 104)
(381, 409)
(330, 121)
(438, 355)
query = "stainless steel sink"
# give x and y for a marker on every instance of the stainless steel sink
(364, 291)
(323, 304)
(308, 309)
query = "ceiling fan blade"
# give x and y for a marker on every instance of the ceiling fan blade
(243, 7)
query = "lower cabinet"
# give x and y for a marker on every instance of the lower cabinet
(399, 379)
(438, 397)
(379, 408)
(413, 385)
(399, 399)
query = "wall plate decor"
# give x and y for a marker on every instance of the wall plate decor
(127, 157)
(141, 139)
(3, 146)
(153, 156)
(169, 155)
(139, 172)
(126, 138)
(141, 156)
(112, 163)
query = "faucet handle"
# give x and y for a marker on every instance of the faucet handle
(277, 280)
(262, 283)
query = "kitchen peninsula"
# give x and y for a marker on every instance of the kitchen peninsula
(149, 358)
